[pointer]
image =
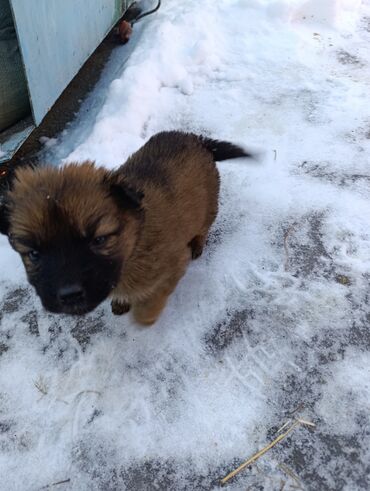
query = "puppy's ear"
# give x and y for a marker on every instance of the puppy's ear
(4, 217)
(124, 195)
(5, 188)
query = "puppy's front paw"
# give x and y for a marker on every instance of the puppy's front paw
(119, 307)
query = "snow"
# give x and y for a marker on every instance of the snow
(274, 314)
(48, 142)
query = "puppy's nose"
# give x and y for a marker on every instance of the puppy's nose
(71, 294)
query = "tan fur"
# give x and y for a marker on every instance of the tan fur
(155, 244)
(174, 215)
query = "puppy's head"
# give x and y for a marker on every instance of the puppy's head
(74, 228)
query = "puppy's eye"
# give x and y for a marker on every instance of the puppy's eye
(99, 241)
(34, 256)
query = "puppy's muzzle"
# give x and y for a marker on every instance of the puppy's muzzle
(71, 295)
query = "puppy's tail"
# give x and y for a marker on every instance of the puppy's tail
(222, 150)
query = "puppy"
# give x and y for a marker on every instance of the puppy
(85, 234)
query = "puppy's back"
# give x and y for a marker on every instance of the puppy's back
(168, 160)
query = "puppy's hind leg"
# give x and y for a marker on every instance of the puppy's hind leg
(196, 245)
(198, 242)
(119, 307)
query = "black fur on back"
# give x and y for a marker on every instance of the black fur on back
(222, 150)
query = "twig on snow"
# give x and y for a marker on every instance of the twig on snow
(48, 486)
(41, 386)
(260, 453)
(306, 423)
(290, 473)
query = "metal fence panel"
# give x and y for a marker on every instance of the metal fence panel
(56, 37)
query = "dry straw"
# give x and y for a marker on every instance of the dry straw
(259, 454)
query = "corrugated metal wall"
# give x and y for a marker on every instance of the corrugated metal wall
(56, 37)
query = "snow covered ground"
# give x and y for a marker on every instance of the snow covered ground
(274, 318)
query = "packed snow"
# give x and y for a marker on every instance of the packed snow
(272, 320)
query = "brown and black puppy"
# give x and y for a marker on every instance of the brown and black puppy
(85, 233)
